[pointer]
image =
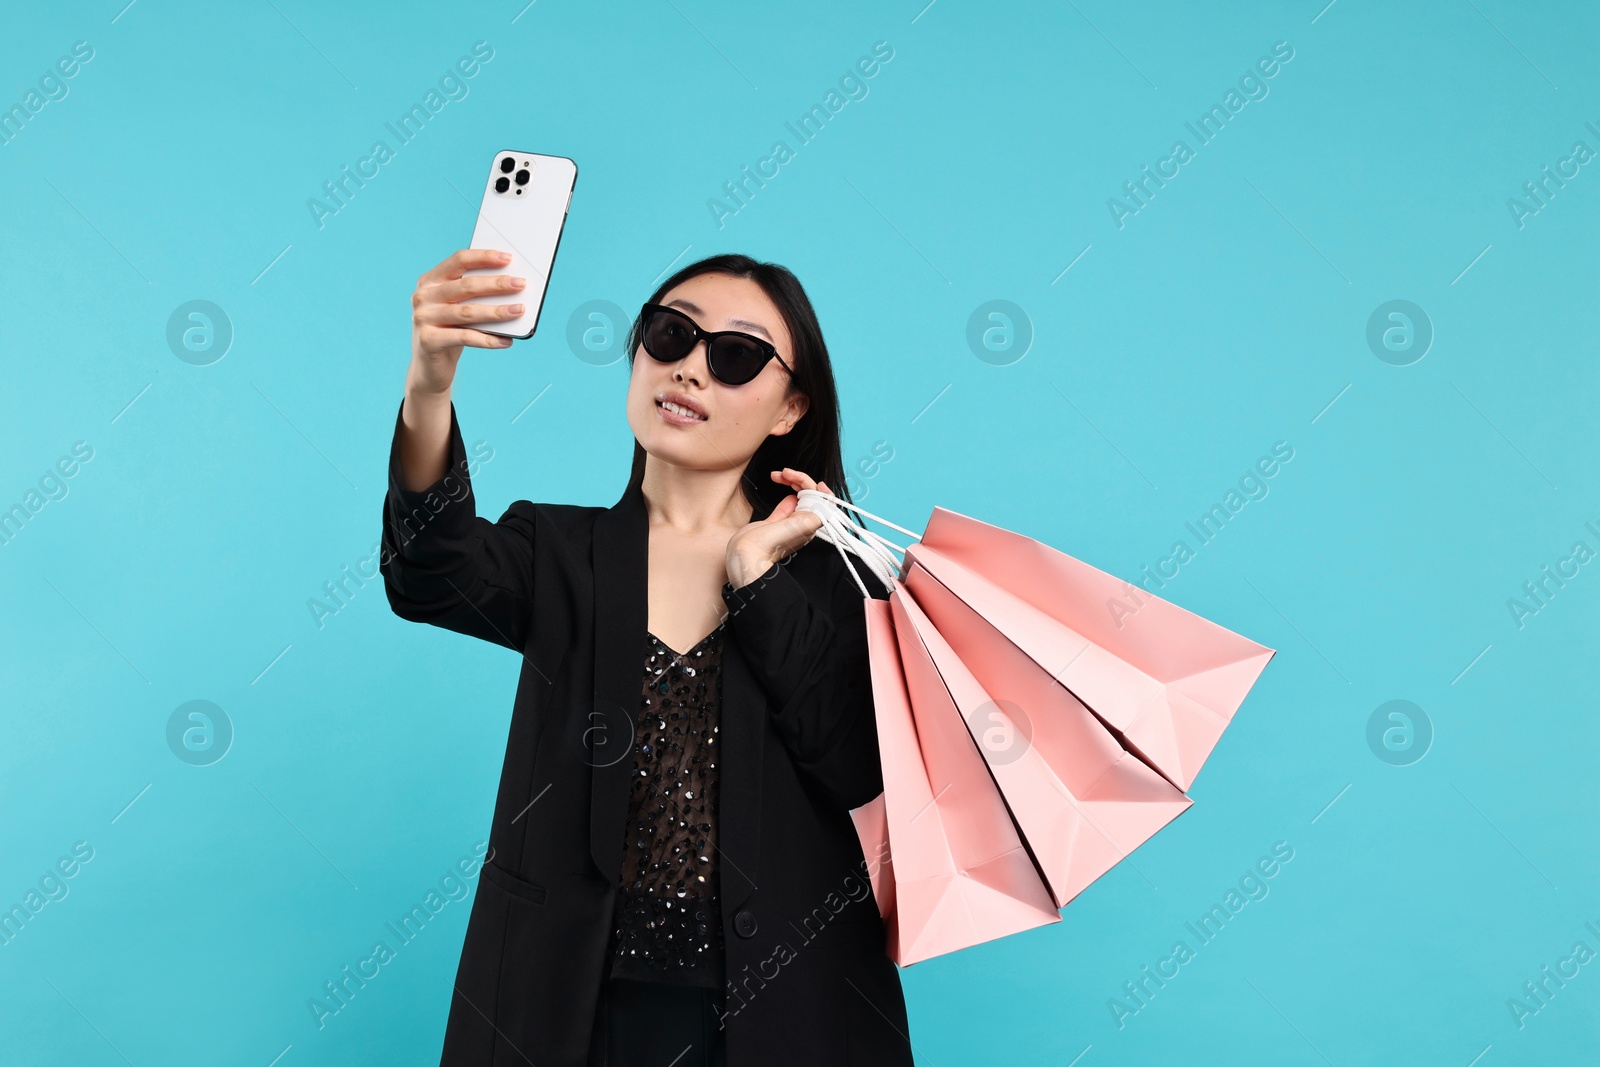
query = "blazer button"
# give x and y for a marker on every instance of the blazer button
(744, 923)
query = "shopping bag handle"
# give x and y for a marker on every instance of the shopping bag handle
(845, 533)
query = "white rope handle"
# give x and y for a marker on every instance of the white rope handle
(844, 533)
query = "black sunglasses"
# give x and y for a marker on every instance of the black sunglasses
(735, 358)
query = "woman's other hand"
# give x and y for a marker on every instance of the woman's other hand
(760, 544)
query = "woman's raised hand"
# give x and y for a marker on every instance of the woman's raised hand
(760, 544)
(441, 323)
(440, 328)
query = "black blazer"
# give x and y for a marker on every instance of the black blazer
(565, 587)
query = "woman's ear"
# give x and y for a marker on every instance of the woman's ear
(793, 410)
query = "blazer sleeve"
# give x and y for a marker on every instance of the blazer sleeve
(443, 564)
(811, 658)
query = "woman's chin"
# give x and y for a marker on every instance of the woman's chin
(671, 447)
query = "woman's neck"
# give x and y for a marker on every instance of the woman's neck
(692, 501)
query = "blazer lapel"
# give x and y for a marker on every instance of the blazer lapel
(621, 567)
(621, 602)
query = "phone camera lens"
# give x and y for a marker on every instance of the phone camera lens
(507, 164)
(501, 184)
(522, 177)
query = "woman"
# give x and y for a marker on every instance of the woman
(673, 873)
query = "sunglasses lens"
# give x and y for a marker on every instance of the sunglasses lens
(667, 336)
(735, 362)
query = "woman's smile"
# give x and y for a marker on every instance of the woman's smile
(679, 410)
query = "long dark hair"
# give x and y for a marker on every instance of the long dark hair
(812, 445)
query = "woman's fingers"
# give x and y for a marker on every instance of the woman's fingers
(799, 480)
(441, 327)
(795, 526)
(449, 292)
(799, 529)
(437, 338)
(461, 314)
(461, 261)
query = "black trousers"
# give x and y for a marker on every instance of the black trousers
(656, 1024)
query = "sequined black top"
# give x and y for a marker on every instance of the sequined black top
(668, 920)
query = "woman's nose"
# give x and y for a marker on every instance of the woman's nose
(693, 366)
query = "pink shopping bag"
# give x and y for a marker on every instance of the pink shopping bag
(958, 873)
(1166, 681)
(1093, 703)
(1081, 801)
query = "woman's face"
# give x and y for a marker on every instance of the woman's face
(736, 418)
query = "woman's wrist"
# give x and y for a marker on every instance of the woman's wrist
(742, 570)
(424, 442)
(419, 389)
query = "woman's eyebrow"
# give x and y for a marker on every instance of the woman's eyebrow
(694, 310)
(756, 326)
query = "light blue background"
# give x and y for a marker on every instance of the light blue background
(1229, 314)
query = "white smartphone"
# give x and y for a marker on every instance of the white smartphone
(524, 209)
